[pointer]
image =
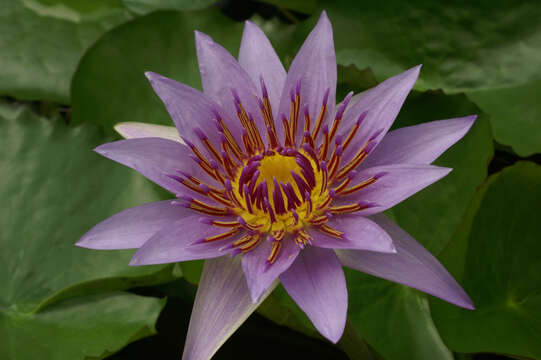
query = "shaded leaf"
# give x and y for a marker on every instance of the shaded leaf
(80, 328)
(496, 257)
(55, 189)
(41, 43)
(162, 42)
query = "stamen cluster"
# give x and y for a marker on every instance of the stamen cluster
(273, 188)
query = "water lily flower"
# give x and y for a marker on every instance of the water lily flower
(274, 182)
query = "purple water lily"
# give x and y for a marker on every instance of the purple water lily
(274, 182)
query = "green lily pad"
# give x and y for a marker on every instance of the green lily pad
(80, 328)
(517, 120)
(54, 190)
(142, 7)
(394, 319)
(489, 50)
(432, 215)
(496, 259)
(162, 42)
(42, 41)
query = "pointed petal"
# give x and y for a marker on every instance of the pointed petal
(419, 144)
(182, 241)
(259, 275)
(220, 73)
(130, 228)
(394, 184)
(221, 305)
(360, 233)
(412, 265)
(189, 108)
(317, 284)
(155, 158)
(258, 58)
(315, 67)
(135, 130)
(382, 104)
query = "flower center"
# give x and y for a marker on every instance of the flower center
(274, 188)
(279, 191)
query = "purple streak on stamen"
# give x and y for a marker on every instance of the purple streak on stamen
(268, 207)
(305, 110)
(307, 171)
(213, 164)
(195, 158)
(325, 129)
(376, 134)
(198, 241)
(292, 200)
(247, 199)
(269, 153)
(367, 204)
(308, 200)
(332, 193)
(175, 177)
(295, 216)
(292, 95)
(263, 87)
(187, 142)
(301, 184)
(351, 175)
(326, 97)
(223, 139)
(298, 86)
(339, 150)
(227, 247)
(237, 107)
(379, 175)
(215, 113)
(362, 117)
(205, 188)
(246, 174)
(278, 198)
(185, 198)
(206, 220)
(338, 140)
(258, 193)
(228, 186)
(255, 158)
(180, 203)
(200, 134)
(260, 103)
(342, 108)
(253, 181)
(235, 95)
(219, 126)
(312, 154)
(371, 145)
(290, 152)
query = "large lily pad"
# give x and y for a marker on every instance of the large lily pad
(162, 42)
(54, 190)
(489, 50)
(496, 259)
(41, 43)
(79, 328)
(433, 214)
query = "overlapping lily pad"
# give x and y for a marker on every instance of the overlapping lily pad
(79, 328)
(54, 188)
(496, 258)
(162, 42)
(489, 50)
(41, 43)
